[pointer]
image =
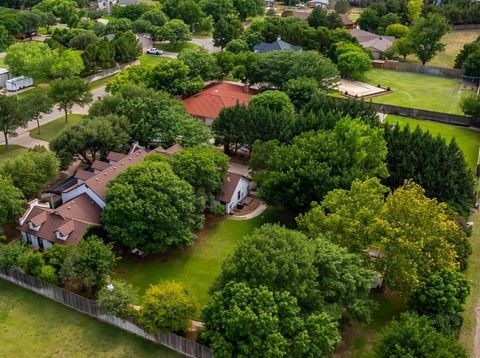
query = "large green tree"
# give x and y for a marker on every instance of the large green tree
(414, 336)
(91, 139)
(30, 171)
(426, 36)
(11, 200)
(175, 31)
(12, 116)
(174, 77)
(295, 175)
(200, 62)
(256, 322)
(443, 173)
(203, 167)
(226, 30)
(127, 47)
(69, 92)
(151, 208)
(347, 217)
(37, 103)
(319, 274)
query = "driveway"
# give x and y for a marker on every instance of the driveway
(97, 93)
(206, 43)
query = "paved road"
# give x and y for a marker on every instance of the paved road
(24, 140)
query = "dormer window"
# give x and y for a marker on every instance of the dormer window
(33, 227)
(59, 236)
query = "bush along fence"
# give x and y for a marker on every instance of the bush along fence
(175, 342)
(408, 112)
(422, 69)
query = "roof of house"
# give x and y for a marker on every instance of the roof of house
(372, 41)
(174, 149)
(71, 218)
(212, 99)
(229, 186)
(128, 2)
(277, 45)
(83, 174)
(325, 2)
(99, 165)
(98, 183)
(114, 156)
(346, 21)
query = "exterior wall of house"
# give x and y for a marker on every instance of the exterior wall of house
(95, 198)
(36, 242)
(72, 194)
(240, 193)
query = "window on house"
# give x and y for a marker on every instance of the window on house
(40, 243)
(238, 195)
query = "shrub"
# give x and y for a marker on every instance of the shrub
(48, 274)
(11, 254)
(218, 209)
(117, 299)
(168, 307)
(32, 263)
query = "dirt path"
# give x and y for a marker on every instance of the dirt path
(476, 343)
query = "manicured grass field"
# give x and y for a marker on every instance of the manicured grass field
(13, 151)
(100, 83)
(467, 139)
(153, 60)
(454, 42)
(197, 266)
(417, 90)
(35, 326)
(467, 335)
(50, 130)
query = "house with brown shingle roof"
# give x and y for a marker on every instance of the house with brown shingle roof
(207, 104)
(235, 188)
(83, 198)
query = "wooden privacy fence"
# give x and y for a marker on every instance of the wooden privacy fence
(466, 27)
(412, 67)
(175, 342)
(447, 118)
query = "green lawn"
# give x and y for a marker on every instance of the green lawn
(358, 339)
(153, 60)
(467, 139)
(33, 325)
(417, 90)
(175, 48)
(100, 83)
(50, 130)
(13, 151)
(197, 266)
(467, 335)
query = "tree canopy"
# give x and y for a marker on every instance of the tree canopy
(150, 208)
(324, 161)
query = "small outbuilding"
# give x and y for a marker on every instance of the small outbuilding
(235, 189)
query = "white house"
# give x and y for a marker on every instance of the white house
(317, 3)
(236, 188)
(107, 5)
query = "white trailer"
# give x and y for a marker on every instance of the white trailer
(18, 83)
(4, 76)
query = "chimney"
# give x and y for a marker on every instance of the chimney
(246, 88)
(279, 38)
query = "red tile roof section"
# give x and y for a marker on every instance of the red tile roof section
(84, 174)
(209, 102)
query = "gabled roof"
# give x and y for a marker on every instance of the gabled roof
(371, 40)
(98, 183)
(114, 156)
(229, 186)
(99, 165)
(174, 149)
(71, 218)
(212, 99)
(277, 45)
(83, 174)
